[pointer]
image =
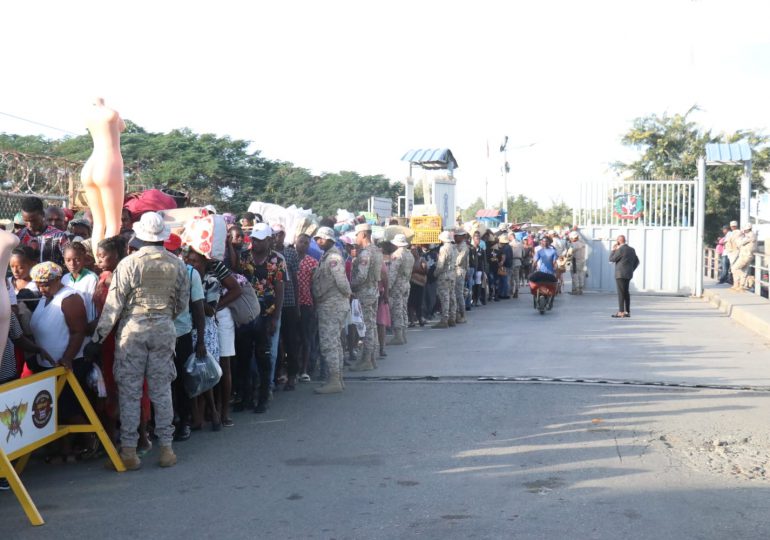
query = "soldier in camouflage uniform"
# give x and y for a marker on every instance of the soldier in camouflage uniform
(149, 289)
(461, 269)
(445, 277)
(747, 245)
(399, 274)
(331, 293)
(364, 281)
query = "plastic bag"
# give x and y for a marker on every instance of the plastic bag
(356, 317)
(201, 374)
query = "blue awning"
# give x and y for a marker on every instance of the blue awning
(727, 154)
(431, 158)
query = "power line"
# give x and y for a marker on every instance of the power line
(39, 124)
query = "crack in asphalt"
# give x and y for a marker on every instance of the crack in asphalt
(554, 380)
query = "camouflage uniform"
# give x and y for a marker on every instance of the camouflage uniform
(577, 252)
(331, 293)
(445, 277)
(747, 245)
(461, 269)
(149, 289)
(364, 282)
(399, 274)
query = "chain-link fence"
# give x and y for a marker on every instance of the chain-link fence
(10, 203)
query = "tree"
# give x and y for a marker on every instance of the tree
(671, 146)
(470, 212)
(558, 215)
(213, 170)
(521, 209)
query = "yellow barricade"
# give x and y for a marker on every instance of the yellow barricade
(29, 420)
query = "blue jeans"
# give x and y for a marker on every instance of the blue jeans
(502, 285)
(724, 270)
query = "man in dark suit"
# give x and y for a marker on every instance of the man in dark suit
(626, 261)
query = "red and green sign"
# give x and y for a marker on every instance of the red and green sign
(628, 206)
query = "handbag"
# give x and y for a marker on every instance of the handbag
(245, 308)
(419, 279)
(502, 271)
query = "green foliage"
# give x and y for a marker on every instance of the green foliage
(558, 215)
(470, 212)
(218, 170)
(521, 209)
(671, 146)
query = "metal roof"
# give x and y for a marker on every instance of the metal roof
(431, 158)
(721, 154)
(488, 213)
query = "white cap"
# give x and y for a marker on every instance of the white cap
(210, 208)
(151, 228)
(446, 236)
(746, 227)
(261, 231)
(400, 240)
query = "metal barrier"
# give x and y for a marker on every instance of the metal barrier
(710, 263)
(10, 202)
(759, 270)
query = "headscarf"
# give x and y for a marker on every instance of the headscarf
(45, 272)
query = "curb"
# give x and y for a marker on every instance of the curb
(746, 309)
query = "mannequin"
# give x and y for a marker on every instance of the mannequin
(8, 241)
(102, 175)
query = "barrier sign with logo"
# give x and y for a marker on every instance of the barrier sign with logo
(28, 421)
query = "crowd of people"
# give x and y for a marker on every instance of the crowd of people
(126, 315)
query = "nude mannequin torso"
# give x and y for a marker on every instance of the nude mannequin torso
(102, 174)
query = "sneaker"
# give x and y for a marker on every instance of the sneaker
(4, 485)
(304, 378)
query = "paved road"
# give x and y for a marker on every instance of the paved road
(461, 458)
(667, 339)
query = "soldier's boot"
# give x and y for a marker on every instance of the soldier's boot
(130, 459)
(441, 324)
(403, 335)
(451, 322)
(398, 337)
(516, 294)
(460, 319)
(333, 385)
(365, 364)
(167, 457)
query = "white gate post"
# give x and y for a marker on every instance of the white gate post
(700, 217)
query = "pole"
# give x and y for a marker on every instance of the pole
(745, 193)
(700, 216)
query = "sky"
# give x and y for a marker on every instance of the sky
(338, 85)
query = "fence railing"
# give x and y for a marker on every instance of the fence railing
(10, 203)
(759, 269)
(642, 203)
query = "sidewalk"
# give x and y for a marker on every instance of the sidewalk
(745, 308)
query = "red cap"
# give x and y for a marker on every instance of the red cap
(173, 242)
(68, 214)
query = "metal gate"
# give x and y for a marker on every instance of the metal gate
(658, 219)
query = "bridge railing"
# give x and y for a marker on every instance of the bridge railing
(759, 269)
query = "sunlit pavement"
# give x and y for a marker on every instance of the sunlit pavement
(460, 458)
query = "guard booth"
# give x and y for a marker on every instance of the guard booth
(438, 189)
(659, 219)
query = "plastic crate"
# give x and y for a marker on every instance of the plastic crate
(426, 222)
(426, 236)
